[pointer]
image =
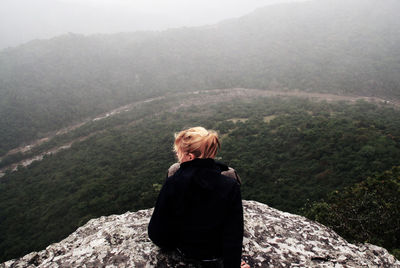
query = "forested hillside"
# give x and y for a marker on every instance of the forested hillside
(336, 46)
(334, 161)
(289, 152)
(367, 211)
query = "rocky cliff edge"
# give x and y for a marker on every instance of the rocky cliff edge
(272, 239)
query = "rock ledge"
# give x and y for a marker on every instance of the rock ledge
(272, 239)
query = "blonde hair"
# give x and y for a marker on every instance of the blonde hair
(200, 142)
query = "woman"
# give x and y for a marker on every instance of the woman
(199, 211)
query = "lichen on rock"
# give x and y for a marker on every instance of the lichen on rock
(272, 239)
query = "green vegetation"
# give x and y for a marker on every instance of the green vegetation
(331, 161)
(304, 151)
(365, 212)
(349, 47)
(310, 150)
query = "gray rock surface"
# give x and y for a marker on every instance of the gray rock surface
(272, 239)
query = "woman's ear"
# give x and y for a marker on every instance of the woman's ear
(191, 156)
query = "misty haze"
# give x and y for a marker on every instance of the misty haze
(305, 96)
(23, 20)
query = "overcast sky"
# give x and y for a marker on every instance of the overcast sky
(25, 20)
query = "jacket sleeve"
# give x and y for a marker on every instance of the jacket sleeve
(233, 232)
(160, 229)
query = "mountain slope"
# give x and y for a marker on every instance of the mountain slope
(287, 152)
(346, 47)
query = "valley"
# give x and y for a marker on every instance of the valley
(187, 99)
(289, 151)
(307, 108)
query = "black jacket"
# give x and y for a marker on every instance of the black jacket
(200, 212)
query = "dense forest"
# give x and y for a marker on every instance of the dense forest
(337, 46)
(289, 152)
(365, 212)
(337, 162)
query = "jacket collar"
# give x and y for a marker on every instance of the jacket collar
(199, 162)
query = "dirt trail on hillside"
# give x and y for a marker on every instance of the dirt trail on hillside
(184, 100)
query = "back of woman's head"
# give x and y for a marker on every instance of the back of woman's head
(200, 142)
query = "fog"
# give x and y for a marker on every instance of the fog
(25, 20)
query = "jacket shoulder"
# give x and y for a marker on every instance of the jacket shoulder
(225, 170)
(231, 173)
(172, 169)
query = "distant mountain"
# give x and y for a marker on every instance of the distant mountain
(337, 46)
